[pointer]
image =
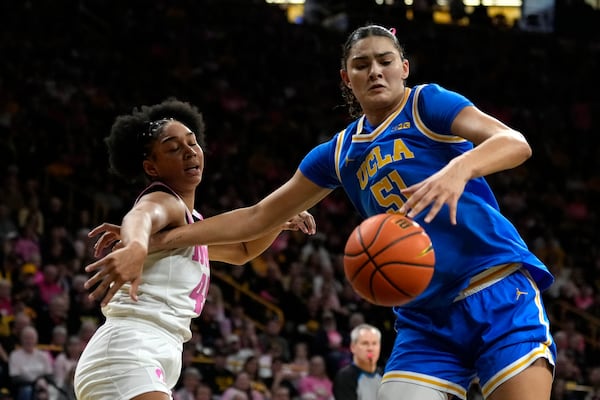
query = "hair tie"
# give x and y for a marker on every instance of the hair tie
(152, 128)
(393, 31)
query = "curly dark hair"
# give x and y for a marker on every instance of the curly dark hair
(132, 135)
(354, 108)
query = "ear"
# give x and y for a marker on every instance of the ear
(345, 79)
(405, 69)
(150, 169)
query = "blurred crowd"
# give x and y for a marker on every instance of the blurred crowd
(269, 91)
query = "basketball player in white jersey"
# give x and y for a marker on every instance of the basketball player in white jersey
(136, 353)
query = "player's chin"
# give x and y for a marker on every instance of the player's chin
(377, 100)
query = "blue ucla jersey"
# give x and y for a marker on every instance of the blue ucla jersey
(373, 164)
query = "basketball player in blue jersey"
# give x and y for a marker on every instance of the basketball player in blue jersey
(422, 151)
(136, 353)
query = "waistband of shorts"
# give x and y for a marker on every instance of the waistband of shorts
(487, 278)
(141, 323)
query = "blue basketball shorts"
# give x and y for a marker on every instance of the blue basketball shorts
(493, 334)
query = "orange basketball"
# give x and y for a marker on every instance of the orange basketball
(389, 259)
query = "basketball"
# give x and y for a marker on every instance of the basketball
(389, 259)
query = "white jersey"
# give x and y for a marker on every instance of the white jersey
(174, 285)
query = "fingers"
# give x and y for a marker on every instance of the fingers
(422, 197)
(453, 210)
(95, 231)
(433, 211)
(112, 290)
(106, 241)
(309, 223)
(306, 222)
(99, 290)
(104, 227)
(133, 289)
(94, 266)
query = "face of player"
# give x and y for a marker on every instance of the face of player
(366, 349)
(375, 72)
(176, 158)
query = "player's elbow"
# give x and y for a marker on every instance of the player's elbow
(241, 256)
(518, 145)
(239, 260)
(523, 149)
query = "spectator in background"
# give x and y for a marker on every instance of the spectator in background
(6, 302)
(31, 214)
(593, 381)
(57, 314)
(27, 245)
(190, 380)
(281, 376)
(331, 343)
(316, 383)
(20, 320)
(4, 376)
(65, 362)
(8, 227)
(283, 393)
(266, 357)
(300, 361)
(50, 284)
(217, 375)
(271, 336)
(204, 392)
(251, 367)
(58, 341)
(237, 354)
(28, 363)
(242, 389)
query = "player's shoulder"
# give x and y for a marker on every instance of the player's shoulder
(430, 89)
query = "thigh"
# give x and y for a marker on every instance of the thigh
(408, 391)
(153, 396)
(434, 348)
(534, 383)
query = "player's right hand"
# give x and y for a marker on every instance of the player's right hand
(120, 266)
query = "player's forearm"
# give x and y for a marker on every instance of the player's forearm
(258, 246)
(498, 153)
(136, 227)
(230, 227)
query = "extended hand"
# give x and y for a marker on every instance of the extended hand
(443, 187)
(304, 222)
(115, 269)
(111, 236)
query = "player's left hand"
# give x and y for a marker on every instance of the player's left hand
(444, 187)
(304, 222)
(110, 239)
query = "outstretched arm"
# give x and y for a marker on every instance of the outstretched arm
(248, 223)
(241, 253)
(238, 226)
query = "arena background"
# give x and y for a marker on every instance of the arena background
(266, 78)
